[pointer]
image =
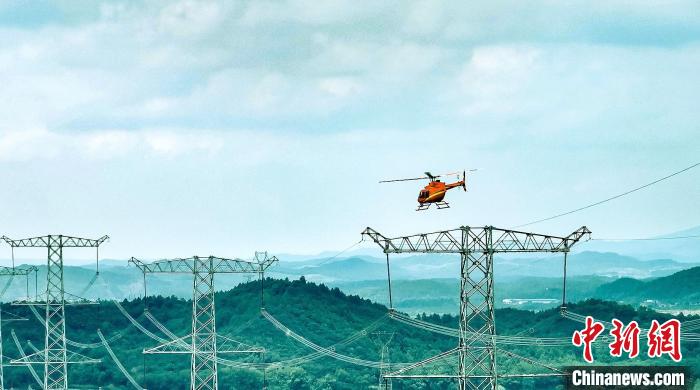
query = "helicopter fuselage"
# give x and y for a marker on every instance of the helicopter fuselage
(435, 191)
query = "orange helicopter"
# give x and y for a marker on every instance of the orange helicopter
(435, 191)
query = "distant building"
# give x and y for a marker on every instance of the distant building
(522, 301)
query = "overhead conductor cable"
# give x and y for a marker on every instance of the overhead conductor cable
(612, 197)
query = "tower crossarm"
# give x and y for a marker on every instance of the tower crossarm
(476, 356)
(64, 241)
(219, 265)
(7, 271)
(476, 239)
(55, 357)
(506, 240)
(202, 342)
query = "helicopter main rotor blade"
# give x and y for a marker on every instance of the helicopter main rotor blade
(458, 173)
(415, 178)
(429, 176)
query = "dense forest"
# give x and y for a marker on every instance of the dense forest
(322, 315)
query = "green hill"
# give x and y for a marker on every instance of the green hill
(322, 315)
(442, 295)
(679, 289)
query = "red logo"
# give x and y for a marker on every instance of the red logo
(662, 339)
(626, 339)
(587, 336)
(665, 339)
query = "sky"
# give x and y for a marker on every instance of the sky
(225, 127)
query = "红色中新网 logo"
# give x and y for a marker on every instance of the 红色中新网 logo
(662, 339)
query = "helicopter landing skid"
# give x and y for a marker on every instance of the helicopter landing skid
(439, 205)
(442, 205)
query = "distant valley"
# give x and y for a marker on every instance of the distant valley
(425, 283)
(447, 266)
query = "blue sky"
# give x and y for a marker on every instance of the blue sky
(225, 127)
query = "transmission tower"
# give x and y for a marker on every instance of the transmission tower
(54, 357)
(382, 339)
(11, 272)
(476, 351)
(203, 344)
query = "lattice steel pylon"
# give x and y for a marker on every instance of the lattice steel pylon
(476, 351)
(383, 339)
(54, 357)
(11, 272)
(204, 344)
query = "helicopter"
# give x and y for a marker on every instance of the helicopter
(436, 190)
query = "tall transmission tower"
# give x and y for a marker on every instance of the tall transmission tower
(476, 351)
(203, 344)
(383, 339)
(54, 357)
(11, 272)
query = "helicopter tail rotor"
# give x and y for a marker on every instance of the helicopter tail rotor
(464, 181)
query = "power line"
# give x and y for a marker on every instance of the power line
(328, 260)
(612, 197)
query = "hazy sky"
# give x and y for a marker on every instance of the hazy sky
(183, 128)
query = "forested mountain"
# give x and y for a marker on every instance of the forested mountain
(680, 288)
(322, 315)
(442, 295)
(506, 268)
(119, 280)
(678, 291)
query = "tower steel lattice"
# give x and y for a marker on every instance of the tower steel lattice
(54, 357)
(203, 344)
(11, 272)
(382, 339)
(476, 351)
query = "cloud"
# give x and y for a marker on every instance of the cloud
(187, 18)
(595, 94)
(42, 144)
(424, 17)
(172, 69)
(105, 144)
(340, 86)
(260, 13)
(216, 64)
(494, 75)
(618, 23)
(29, 144)
(169, 143)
